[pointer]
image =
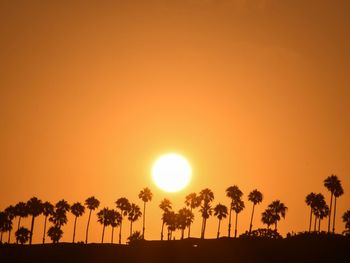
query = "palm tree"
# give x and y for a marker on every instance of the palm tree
(318, 205)
(192, 201)
(234, 193)
(145, 195)
(237, 206)
(21, 212)
(184, 219)
(268, 217)
(170, 219)
(5, 224)
(220, 211)
(331, 183)
(55, 233)
(48, 210)
(115, 219)
(310, 201)
(59, 217)
(77, 210)
(322, 213)
(255, 197)
(22, 235)
(103, 218)
(63, 206)
(279, 209)
(338, 191)
(123, 205)
(91, 203)
(11, 213)
(206, 196)
(165, 205)
(346, 220)
(134, 215)
(34, 206)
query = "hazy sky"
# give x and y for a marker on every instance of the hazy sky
(253, 92)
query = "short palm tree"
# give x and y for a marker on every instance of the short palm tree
(268, 218)
(346, 220)
(123, 205)
(184, 219)
(319, 205)
(279, 209)
(22, 235)
(115, 219)
(11, 213)
(62, 205)
(338, 191)
(77, 210)
(103, 218)
(91, 203)
(255, 197)
(21, 211)
(220, 211)
(34, 206)
(55, 233)
(206, 196)
(234, 193)
(310, 201)
(192, 201)
(48, 210)
(170, 219)
(5, 224)
(237, 206)
(331, 183)
(165, 205)
(134, 215)
(145, 195)
(322, 212)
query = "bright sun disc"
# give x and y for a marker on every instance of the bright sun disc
(171, 172)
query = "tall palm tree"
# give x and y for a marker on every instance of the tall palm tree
(134, 215)
(103, 218)
(318, 206)
(338, 191)
(165, 205)
(55, 233)
(21, 211)
(331, 183)
(206, 196)
(5, 224)
(220, 211)
(255, 197)
(145, 195)
(346, 220)
(77, 210)
(22, 235)
(310, 201)
(123, 205)
(91, 203)
(11, 213)
(34, 206)
(115, 219)
(321, 214)
(192, 201)
(237, 206)
(234, 193)
(268, 217)
(279, 209)
(62, 205)
(48, 210)
(184, 219)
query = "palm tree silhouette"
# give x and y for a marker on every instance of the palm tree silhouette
(184, 219)
(310, 201)
(62, 205)
(48, 210)
(20, 211)
(192, 201)
(103, 218)
(220, 211)
(346, 220)
(55, 233)
(77, 210)
(255, 197)
(165, 205)
(279, 209)
(34, 206)
(331, 183)
(123, 205)
(134, 215)
(5, 224)
(268, 217)
(322, 212)
(170, 219)
(115, 219)
(91, 203)
(206, 196)
(145, 195)
(22, 235)
(319, 205)
(234, 193)
(237, 206)
(338, 191)
(11, 213)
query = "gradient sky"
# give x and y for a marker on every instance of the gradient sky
(253, 92)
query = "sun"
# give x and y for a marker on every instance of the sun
(171, 172)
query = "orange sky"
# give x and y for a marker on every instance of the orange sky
(253, 92)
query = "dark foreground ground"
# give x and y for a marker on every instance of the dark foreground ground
(295, 249)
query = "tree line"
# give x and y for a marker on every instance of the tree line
(181, 220)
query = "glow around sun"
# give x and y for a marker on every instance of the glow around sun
(171, 172)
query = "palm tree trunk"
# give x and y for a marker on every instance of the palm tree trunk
(202, 232)
(18, 226)
(310, 220)
(229, 222)
(130, 228)
(330, 213)
(236, 225)
(335, 210)
(251, 220)
(315, 223)
(182, 233)
(44, 235)
(87, 228)
(189, 227)
(75, 224)
(9, 238)
(103, 232)
(112, 235)
(161, 232)
(120, 231)
(144, 220)
(204, 227)
(319, 225)
(218, 235)
(31, 231)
